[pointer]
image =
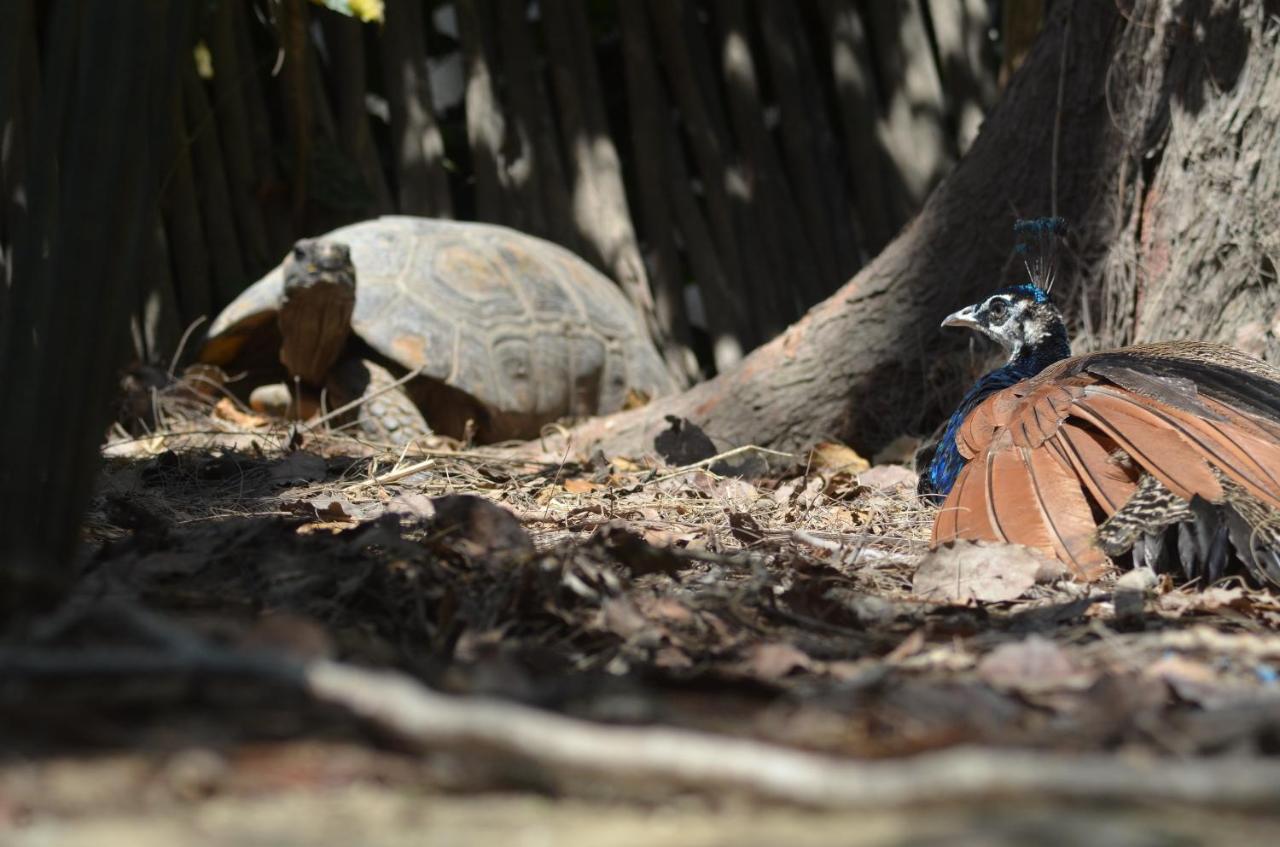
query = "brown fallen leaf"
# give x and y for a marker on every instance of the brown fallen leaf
(832, 457)
(983, 571)
(580, 486)
(1193, 681)
(745, 528)
(887, 478)
(1033, 666)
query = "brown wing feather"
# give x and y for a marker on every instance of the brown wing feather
(1159, 450)
(1089, 452)
(1247, 459)
(1064, 511)
(1012, 505)
(964, 513)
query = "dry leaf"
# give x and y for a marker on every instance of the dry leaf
(1194, 682)
(579, 486)
(983, 571)
(1033, 666)
(887, 478)
(832, 457)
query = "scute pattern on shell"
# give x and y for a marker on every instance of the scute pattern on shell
(524, 326)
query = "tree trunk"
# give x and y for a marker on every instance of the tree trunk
(960, 32)
(1196, 94)
(856, 366)
(708, 140)
(345, 37)
(226, 260)
(182, 221)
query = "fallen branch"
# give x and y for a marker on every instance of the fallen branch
(700, 761)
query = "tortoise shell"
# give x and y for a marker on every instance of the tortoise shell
(526, 328)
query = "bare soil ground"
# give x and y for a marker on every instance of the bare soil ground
(289, 637)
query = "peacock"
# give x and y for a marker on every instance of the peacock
(1167, 453)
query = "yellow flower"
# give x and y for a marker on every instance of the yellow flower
(367, 10)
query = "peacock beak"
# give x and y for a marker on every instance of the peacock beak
(968, 316)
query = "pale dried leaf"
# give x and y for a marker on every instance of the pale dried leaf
(887, 478)
(983, 571)
(831, 457)
(1033, 666)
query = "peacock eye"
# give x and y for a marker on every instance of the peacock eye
(997, 309)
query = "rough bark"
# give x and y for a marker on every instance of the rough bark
(421, 182)
(855, 366)
(1196, 93)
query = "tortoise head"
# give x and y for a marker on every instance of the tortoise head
(318, 261)
(315, 311)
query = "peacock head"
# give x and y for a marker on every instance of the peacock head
(1020, 318)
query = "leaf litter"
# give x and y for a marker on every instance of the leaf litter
(798, 604)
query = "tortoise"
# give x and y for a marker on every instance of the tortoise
(496, 333)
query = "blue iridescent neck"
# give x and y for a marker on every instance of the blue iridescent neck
(1024, 364)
